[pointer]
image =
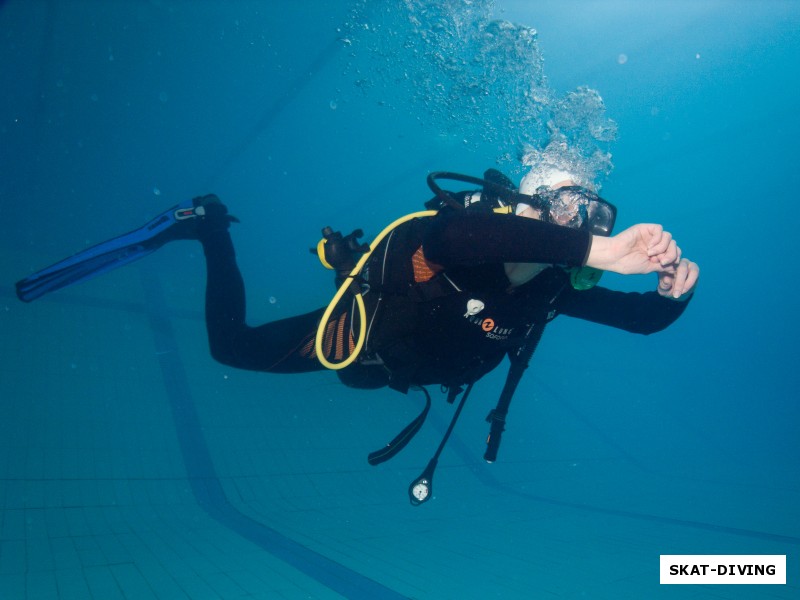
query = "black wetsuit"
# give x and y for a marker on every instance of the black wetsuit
(421, 280)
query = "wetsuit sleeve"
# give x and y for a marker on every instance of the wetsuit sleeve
(643, 313)
(466, 238)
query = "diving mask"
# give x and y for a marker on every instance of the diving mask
(572, 206)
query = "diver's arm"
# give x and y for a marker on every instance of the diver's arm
(642, 313)
(465, 238)
(635, 312)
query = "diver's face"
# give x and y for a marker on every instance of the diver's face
(565, 209)
(562, 218)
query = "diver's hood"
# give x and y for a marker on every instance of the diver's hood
(538, 178)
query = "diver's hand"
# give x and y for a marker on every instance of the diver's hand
(680, 282)
(643, 248)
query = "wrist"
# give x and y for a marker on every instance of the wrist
(597, 255)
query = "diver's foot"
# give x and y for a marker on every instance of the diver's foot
(207, 215)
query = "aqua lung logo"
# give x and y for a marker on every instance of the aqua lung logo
(487, 324)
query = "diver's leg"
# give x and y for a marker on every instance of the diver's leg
(284, 346)
(225, 294)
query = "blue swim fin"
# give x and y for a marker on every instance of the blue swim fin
(109, 255)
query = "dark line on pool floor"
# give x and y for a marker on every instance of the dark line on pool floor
(205, 482)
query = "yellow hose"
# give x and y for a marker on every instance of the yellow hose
(362, 311)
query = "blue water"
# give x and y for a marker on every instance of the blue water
(133, 466)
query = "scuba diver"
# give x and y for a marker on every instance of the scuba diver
(440, 297)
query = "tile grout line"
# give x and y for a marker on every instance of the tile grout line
(205, 482)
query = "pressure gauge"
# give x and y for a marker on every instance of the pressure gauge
(420, 491)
